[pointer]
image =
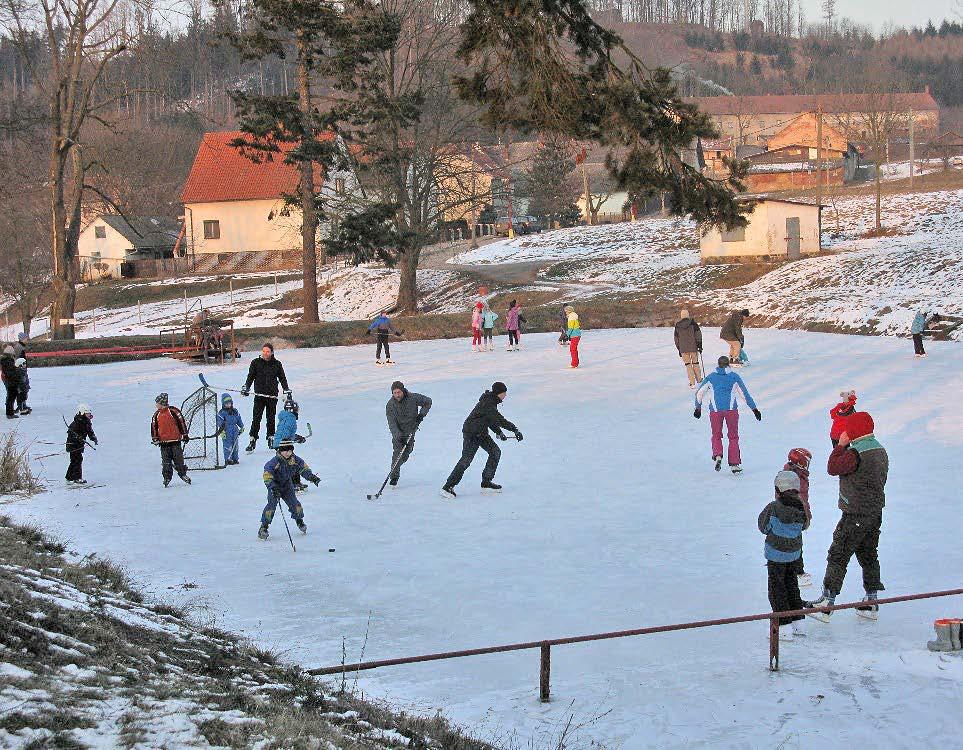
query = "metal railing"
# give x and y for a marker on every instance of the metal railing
(545, 646)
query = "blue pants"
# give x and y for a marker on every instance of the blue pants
(230, 448)
(290, 499)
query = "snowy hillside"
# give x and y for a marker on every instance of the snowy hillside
(611, 518)
(871, 285)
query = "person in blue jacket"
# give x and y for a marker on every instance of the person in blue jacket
(724, 388)
(382, 326)
(920, 323)
(229, 426)
(287, 429)
(279, 476)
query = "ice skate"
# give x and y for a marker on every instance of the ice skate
(378, 362)
(804, 579)
(448, 493)
(490, 488)
(389, 361)
(262, 533)
(167, 482)
(718, 460)
(870, 610)
(825, 599)
(251, 446)
(393, 482)
(737, 469)
(302, 526)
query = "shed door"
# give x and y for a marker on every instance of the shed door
(792, 237)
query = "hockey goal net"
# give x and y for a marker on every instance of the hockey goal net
(200, 413)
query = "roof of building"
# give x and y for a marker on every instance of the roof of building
(222, 173)
(782, 104)
(717, 144)
(144, 232)
(763, 197)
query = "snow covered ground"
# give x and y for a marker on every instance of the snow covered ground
(612, 518)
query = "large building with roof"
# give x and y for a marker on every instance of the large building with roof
(111, 240)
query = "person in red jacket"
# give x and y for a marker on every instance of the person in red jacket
(168, 430)
(798, 463)
(839, 413)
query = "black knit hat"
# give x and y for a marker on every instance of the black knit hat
(161, 399)
(499, 387)
(286, 445)
(745, 313)
(397, 386)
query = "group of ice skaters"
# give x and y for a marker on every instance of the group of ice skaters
(16, 380)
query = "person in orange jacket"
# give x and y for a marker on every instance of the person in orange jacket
(169, 431)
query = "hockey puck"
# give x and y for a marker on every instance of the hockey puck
(331, 549)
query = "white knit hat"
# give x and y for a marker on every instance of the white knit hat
(83, 409)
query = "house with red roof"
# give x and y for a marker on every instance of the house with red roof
(235, 205)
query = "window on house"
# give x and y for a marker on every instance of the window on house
(734, 235)
(100, 233)
(339, 186)
(212, 229)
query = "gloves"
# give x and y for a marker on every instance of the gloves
(288, 393)
(697, 413)
(300, 439)
(700, 350)
(758, 415)
(518, 436)
(397, 333)
(419, 418)
(245, 391)
(155, 442)
(186, 439)
(96, 441)
(502, 436)
(316, 481)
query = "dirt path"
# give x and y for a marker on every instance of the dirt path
(493, 274)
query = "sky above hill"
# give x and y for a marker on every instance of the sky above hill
(875, 13)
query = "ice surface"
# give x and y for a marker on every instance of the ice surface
(611, 518)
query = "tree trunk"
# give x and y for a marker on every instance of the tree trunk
(62, 283)
(309, 214)
(879, 193)
(408, 287)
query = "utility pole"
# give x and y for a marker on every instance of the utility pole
(585, 187)
(912, 141)
(819, 154)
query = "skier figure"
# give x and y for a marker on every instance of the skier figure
(798, 463)
(688, 341)
(783, 521)
(382, 325)
(484, 417)
(80, 430)
(404, 412)
(862, 466)
(726, 388)
(280, 474)
(168, 430)
(921, 322)
(574, 333)
(513, 325)
(839, 413)
(230, 425)
(11, 380)
(563, 326)
(732, 334)
(476, 326)
(20, 353)
(265, 373)
(489, 317)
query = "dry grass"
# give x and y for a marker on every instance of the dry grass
(16, 476)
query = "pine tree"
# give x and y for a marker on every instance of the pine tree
(551, 184)
(331, 42)
(547, 66)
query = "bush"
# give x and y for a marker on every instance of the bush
(15, 473)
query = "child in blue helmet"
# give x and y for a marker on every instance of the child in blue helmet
(279, 478)
(287, 429)
(230, 425)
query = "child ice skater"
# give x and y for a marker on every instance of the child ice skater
(382, 325)
(80, 429)
(839, 413)
(476, 327)
(230, 426)
(798, 463)
(489, 317)
(782, 522)
(279, 478)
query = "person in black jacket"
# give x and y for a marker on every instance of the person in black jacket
(484, 417)
(264, 373)
(688, 341)
(11, 380)
(78, 432)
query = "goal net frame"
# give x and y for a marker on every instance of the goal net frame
(203, 452)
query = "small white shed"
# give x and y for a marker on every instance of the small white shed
(778, 228)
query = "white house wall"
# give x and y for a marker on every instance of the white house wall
(766, 233)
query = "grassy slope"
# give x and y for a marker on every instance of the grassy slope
(85, 660)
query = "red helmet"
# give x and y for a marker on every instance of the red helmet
(801, 457)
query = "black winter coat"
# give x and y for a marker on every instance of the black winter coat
(485, 416)
(11, 375)
(732, 328)
(265, 374)
(80, 430)
(688, 336)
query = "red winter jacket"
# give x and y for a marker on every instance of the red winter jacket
(803, 475)
(839, 413)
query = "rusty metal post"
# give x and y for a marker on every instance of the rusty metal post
(774, 644)
(545, 674)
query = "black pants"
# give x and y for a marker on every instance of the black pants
(784, 590)
(382, 342)
(798, 566)
(512, 337)
(172, 455)
(854, 535)
(12, 390)
(75, 470)
(470, 446)
(400, 453)
(918, 343)
(268, 407)
(23, 390)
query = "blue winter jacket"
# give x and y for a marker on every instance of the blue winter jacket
(287, 427)
(280, 474)
(230, 424)
(382, 324)
(919, 323)
(488, 318)
(724, 387)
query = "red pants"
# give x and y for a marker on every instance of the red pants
(573, 348)
(475, 336)
(731, 418)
